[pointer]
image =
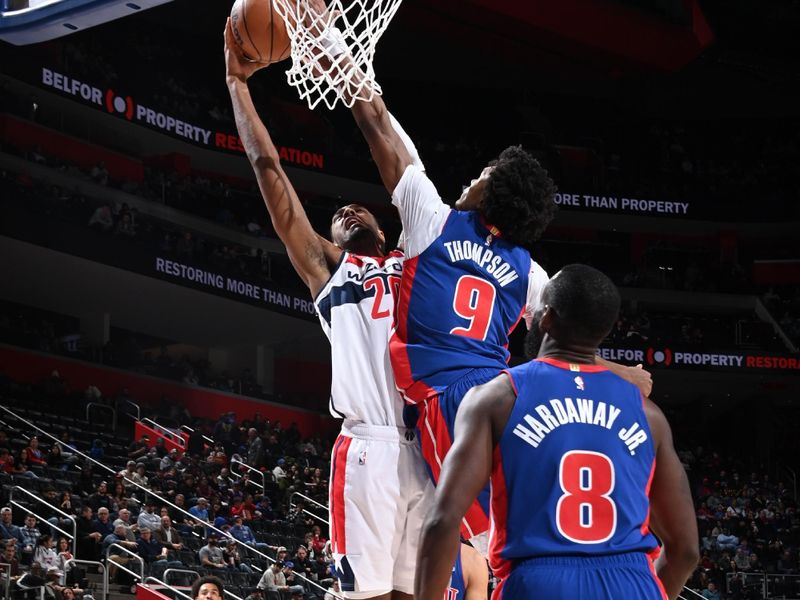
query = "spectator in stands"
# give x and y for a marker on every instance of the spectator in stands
(29, 537)
(64, 553)
(244, 534)
(255, 594)
(317, 541)
(211, 555)
(119, 498)
(711, 592)
(140, 478)
(44, 555)
(10, 558)
(169, 537)
(233, 558)
(255, 448)
(55, 459)
(99, 173)
(322, 569)
(208, 588)
(148, 518)
(301, 563)
(200, 510)
(726, 541)
(169, 460)
(334, 591)
(139, 448)
(292, 581)
(23, 466)
(124, 519)
(35, 456)
(102, 219)
(88, 546)
(8, 530)
(6, 461)
(279, 473)
(102, 524)
(154, 554)
(115, 555)
(100, 499)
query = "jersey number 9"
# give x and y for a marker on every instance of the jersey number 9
(474, 301)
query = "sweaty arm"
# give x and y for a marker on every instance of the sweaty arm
(672, 515)
(308, 252)
(479, 423)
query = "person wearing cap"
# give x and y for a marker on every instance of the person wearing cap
(273, 580)
(8, 530)
(294, 588)
(233, 559)
(244, 534)
(54, 589)
(211, 555)
(148, 517)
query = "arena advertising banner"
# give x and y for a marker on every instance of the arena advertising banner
(619, 204)
(125, 106)
(254, 293)
(700, 359)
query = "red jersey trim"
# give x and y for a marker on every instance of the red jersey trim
(511, 381)
(579, 368)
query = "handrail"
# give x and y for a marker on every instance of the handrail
(208, 526)
(79, 561)
(205, 437)
(691, 591)
(91, 405)
(307, 498)
(308, 512)
(168, 433)
(136, 406)
(166, 585)
(263, 474)
(7, 568)
(166, 573)
(73, 536)
(232, 595)
(135, 556)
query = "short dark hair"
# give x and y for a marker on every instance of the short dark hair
(519, 197)
(198, 583)
(586, 303)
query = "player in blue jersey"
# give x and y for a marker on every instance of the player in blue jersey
(468, 279)
(581, 467)
(470, 576)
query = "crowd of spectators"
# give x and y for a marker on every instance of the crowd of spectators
(193, 507)
(749, 527)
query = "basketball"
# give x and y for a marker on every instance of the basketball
(260, 31)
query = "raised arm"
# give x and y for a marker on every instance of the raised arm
(480, 419)
(672, 516)
(310, 254)
(637, 375)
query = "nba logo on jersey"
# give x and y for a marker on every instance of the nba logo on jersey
(579, 383)
(362, 458)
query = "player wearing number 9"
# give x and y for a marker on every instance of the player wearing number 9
(582, 468)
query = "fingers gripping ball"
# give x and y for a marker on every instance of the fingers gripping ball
(260, 31)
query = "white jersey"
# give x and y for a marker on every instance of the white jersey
(356, 309)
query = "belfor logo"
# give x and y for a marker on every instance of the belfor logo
(659, 357)
(118, 104)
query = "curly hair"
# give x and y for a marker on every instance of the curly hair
(519, 197)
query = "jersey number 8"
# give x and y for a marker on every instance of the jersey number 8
(586, 514)
(474, 301)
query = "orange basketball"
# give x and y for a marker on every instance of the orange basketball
(260, 31)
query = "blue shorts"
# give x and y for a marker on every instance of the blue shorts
(613, 577)
(436, 425)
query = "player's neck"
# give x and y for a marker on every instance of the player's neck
(365, 249)
(573, 353)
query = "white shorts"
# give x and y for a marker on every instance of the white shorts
(380, 493)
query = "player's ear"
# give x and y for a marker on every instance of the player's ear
(548, 317)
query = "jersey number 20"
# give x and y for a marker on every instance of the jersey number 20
(586, 514)
(474, 301)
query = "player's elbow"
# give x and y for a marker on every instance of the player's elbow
(265, 161)
(684, 553)
(440, 522)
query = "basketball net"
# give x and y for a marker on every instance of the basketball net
(321, 73)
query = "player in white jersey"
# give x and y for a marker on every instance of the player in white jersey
(379, 489)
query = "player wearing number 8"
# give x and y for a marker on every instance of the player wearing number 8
(580, 466)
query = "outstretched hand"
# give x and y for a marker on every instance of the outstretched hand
(641, 379)
(237, 65)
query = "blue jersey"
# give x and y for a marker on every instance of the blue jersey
(464, 289)
(573, 468)
(456, 590)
